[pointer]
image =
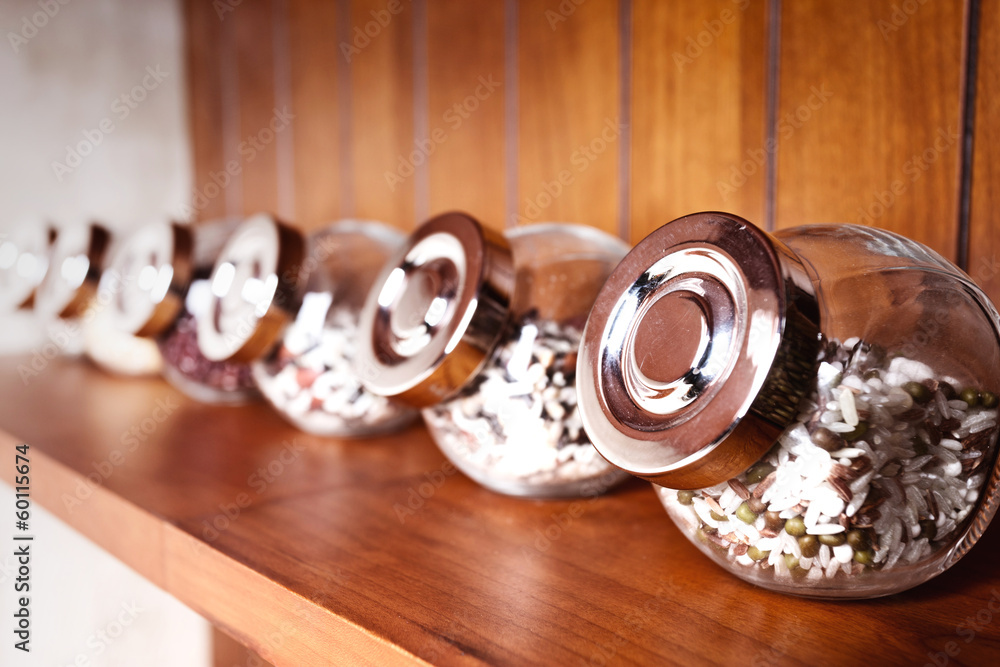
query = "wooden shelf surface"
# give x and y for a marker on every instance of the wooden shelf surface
(318, 568)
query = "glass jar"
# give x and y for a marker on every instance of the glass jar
(75, 297)
(24, 259)
(817, 406)
(163, 269)
(481, 331)
(288, 305)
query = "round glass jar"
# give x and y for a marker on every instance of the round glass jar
(24, 259)
(288, 305)
(481, 330)
(163, 270)
(76, 296)
(817, 406)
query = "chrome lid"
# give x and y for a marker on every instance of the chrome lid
(697, 352)
(24, 258)
(70, 283)
(255, 287)
(436, 312)
(146, 278)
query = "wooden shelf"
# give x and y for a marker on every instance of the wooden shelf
(318, 568)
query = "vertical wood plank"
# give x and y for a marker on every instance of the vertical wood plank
(569, 97)
(466, 108)
(381, 80)
(316, 127)
(203, 46)
(870, 117)
(255, 64)
(984, 222)
(698, 110)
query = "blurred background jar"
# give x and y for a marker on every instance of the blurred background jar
(163, 270)
(70, 303)
(24, 259)
(481, 331)
(816, 406)
(287, 304)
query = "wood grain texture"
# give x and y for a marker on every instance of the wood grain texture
(376, 552)
(316, 128)
(255, 67)
(984, 222)
(227, 652)
(203, 46)
(466, 108)
(569, 133)
(698, 95)
(381, 82)
(869, 117)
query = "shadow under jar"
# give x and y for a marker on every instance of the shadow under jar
(163, 269)
(288, 305)
(817, 406)
(480, 330)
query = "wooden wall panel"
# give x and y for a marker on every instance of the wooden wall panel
(870, 116)
(466, 96)
(258, 125)
(568, 144)
(984, 221)
(314, 56)
(381, 82)
(698, 110)
(205, 109)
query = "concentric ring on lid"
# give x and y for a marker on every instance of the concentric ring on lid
(437, 311)
(254, 290)
(677, 348)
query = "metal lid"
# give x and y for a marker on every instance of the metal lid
(147, 277)
(254, 287)
(684, 370)
(24, 258)
(70, 283)
(437, 311)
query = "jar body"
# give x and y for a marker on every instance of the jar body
(184, 365)
(888, 473)
(309, 376)
(515, 427)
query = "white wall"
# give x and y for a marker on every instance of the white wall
(57, 88)
(81, 83)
